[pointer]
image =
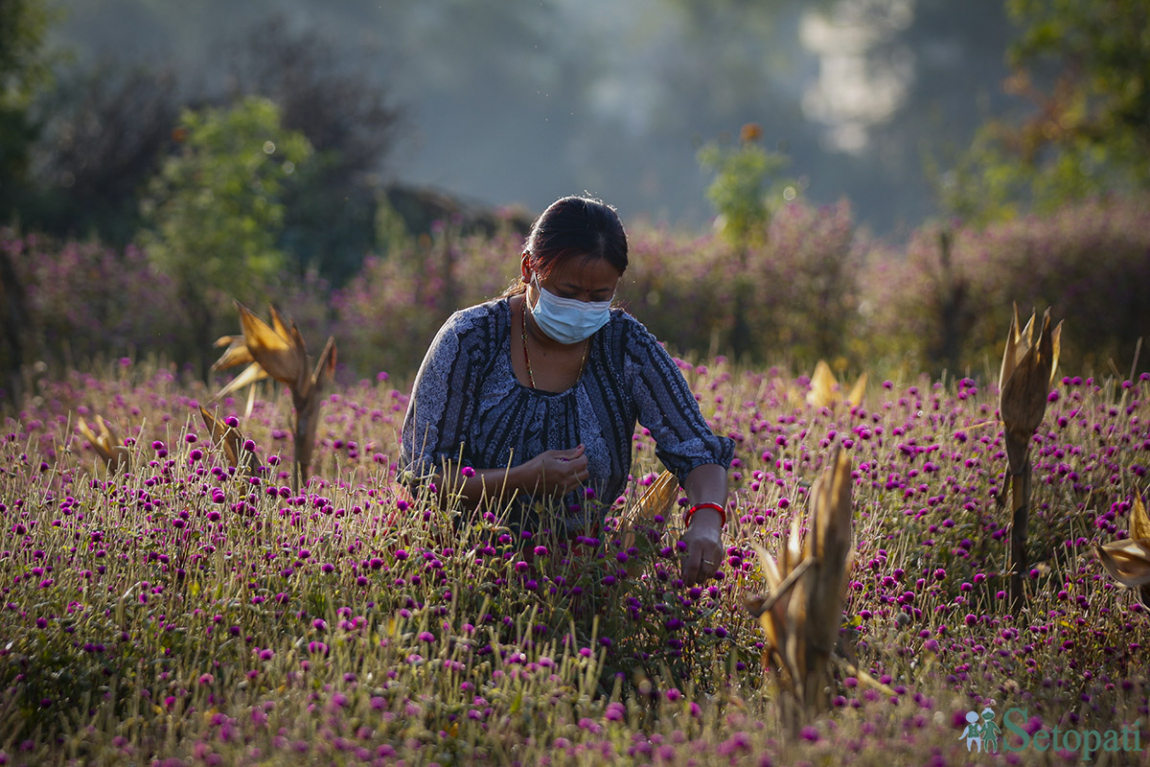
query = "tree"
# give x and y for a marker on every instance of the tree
(334, 97)
(24, 71)
(215, 208)
(742, 193)
(745, 187)
(1094, 120)
(1083, 66)
(104, 134)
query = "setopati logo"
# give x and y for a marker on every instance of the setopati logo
(981, 731)
(982, 734)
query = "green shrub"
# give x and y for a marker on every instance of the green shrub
(215, 208)
(1089, 262)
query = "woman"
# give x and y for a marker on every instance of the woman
(535, 395)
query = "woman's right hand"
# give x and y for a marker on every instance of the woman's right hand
(558, 472)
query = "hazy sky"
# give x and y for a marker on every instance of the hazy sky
(521, 101)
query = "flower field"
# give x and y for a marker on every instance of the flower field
(181, 612)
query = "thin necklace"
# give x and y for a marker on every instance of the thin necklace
(527, 357)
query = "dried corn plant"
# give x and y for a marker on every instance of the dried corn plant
(278, 351)
(826, 392)
(657, 499)
(110, 449)
(1024, 385)
(230, 440)
(807, 582)
(1128, 560)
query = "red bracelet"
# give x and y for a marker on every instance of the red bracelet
(691, 512)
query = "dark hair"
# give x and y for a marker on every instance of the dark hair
(574, 227)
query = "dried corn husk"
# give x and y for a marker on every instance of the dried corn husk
(807, 582)
(236, 353)
(1128, 560)
(278, 351)
(110, 449)
(826, 392)
(231, 441)
(1024, 383)
(656, 499)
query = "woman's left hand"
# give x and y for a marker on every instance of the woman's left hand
(704, 542)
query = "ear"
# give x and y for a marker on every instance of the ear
(525, 267)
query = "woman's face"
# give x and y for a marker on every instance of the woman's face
(584, 279)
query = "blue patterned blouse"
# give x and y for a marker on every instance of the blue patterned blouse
(467, 407)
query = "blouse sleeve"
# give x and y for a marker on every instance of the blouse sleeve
(441, 405)
(667, 407)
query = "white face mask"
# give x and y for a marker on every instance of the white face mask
(568, 320)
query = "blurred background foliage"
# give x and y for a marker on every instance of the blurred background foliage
(214, 211)
(25, 71)
(140, 195)
(1083, 70)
